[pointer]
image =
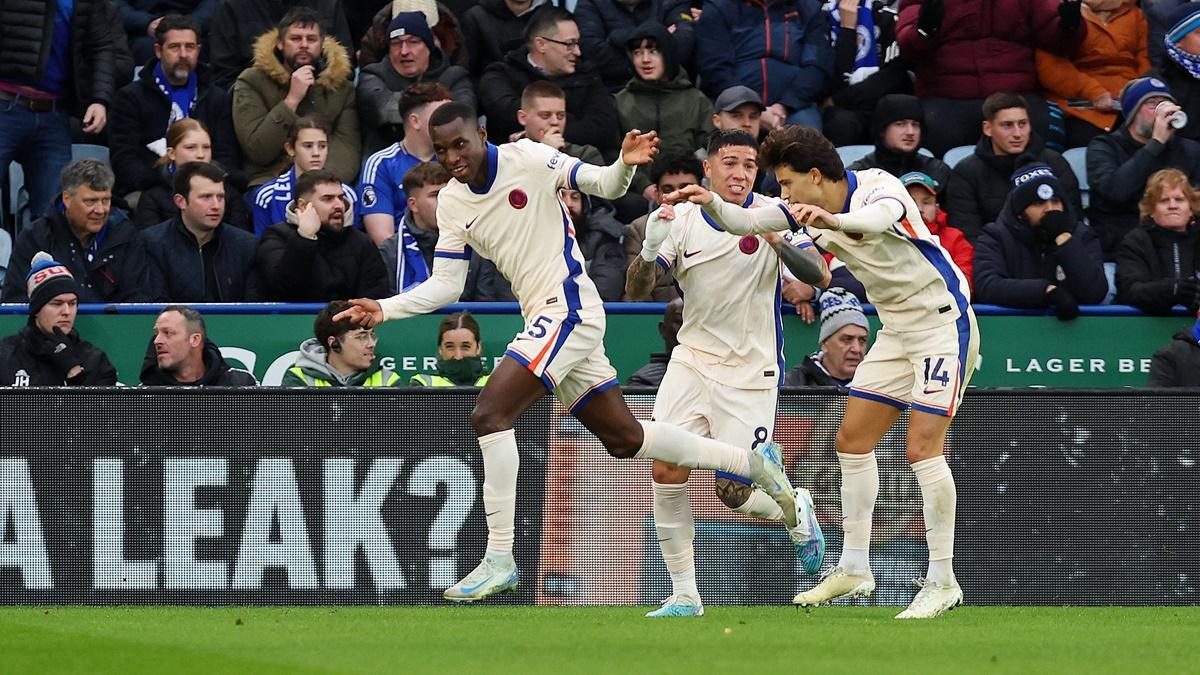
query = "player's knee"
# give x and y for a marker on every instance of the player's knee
(486, 421)
(732, 493)
(624, 442)
(846, 442)
(669, 474)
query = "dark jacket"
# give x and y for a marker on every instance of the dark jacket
(599, 239)
(337, 266)
(892, 76)
(379, 88)
(983, 46)
(893, 108)
(606, 25)
(27, 350)
(1118, 168)
(492, 31)
(591, 112)
(26, 36)
(1177, 364)
(1186, 90)
(981, 182)
(1151, 261)
(810, 373)
(1012, 269)
(238, 23)
(136, 15)
(651, 374)
(118, 271)
(779, 48)
(157, 204)
(177, 266)
(139, 116)
(373, 47)
(217, 373)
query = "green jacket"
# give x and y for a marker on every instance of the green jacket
(425, 380)
(313, 370)
(680, 113)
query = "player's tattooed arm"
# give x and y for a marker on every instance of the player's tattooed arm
(641, 278)
(807, 266)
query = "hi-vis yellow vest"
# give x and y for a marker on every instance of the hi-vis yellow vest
(380, 378)
(423, 380)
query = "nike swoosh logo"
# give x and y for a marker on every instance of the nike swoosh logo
(667, 539)
(488, 515)
(468, 225)
(688, 254)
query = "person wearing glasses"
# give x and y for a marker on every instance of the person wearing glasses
(551, 52)
(341, 355)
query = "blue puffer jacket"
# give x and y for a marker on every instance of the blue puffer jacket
(779, 48)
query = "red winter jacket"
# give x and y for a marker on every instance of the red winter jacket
(955, 242)
(983, 46)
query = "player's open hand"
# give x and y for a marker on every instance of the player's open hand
(639, 148)
(363, 312)
(696, 194)
(813, 216)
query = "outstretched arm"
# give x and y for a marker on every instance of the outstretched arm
(610, 182)
(444, 286)
(732, 218)
(648, 267)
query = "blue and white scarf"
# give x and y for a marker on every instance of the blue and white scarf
(1189, 62)
(866, 53)
(182, 99)
(410, 264)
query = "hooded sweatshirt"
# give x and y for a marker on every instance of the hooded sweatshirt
(217, 373)
(893, 108)
(312, 369)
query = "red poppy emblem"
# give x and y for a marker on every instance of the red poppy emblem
(518, 199)
(748, 244)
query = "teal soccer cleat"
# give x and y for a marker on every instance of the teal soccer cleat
(766, 470)
(807, 538)
(678, 605)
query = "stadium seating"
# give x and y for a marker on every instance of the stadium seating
(1077, 158)
(89, 151)
(18, 197)
(955, 155)
(852, 153)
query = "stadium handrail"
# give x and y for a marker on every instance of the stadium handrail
(630, 308)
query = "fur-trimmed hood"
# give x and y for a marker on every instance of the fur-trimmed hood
(335, 74)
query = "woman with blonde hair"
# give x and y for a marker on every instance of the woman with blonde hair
(1158, 263)
(188, 140)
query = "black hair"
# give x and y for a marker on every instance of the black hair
(676, 164)
(453, 111)
(719, 138)
(181, 184)
(546, 20)
(801, 149)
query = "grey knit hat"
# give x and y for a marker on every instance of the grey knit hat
(839, 308)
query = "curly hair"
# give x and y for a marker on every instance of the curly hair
(801, 149)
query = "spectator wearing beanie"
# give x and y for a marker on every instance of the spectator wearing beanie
(924, 191)
(443, 20)
(867, 67)
(897, 128)
(48, 351)
(1120, 163)
(1037, 254)
(1113, 53)
(841, 346)
(1180, 67)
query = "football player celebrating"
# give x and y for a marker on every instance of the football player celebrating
(503, 203)
(922, 358)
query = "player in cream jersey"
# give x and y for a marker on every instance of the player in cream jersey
(723, 378)
(502, 201)
(922, 358)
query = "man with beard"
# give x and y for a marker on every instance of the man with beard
(314, 256)
(297, 71)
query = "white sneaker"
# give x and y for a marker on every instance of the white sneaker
(492, 576)
(767, 472)
(932, 600)
(678, 605)
(836, 584)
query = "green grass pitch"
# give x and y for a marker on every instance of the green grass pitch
(594, 640)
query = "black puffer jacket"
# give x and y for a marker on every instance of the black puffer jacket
(338, 265)
(139, 117)
(894, 108)
(600, 243)
(492, 31)
(117, 271)
(1150, 263)
(217, 373)
(981, 183)
(26, 35)
(26, 353)
(810, 373)
(1012, 269)
(157, 203)
(591, 111)
(177, 264)
(1177, 364)
(379, 89)
(1118, 168)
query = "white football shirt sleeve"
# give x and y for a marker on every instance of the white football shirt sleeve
(872, 218)
(444, 285)
(606, 182)
(737, 220)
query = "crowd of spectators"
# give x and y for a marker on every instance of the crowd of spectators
(279, 150)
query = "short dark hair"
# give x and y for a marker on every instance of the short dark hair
(453, 111)
(1002, 100)
(192, 318)
(182, 183)
(172, 22)
(422, 93)
(324, 327)
(302, 17)
(541, 89)
(307, 122)
(546, 19)
(801, 149)
(425, 173)
(309, 181)
(719, 138)
(676, 164)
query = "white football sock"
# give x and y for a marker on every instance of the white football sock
(676, 531)
(860, 488)
(673, 445)
(940, 499)
(500, 464)
(760, 505)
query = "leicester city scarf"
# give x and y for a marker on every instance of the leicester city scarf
(866, 52)
(183, 99)
(411, 268)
